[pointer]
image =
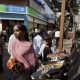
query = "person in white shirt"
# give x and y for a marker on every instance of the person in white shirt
(37, 42)
(57, 36)
(11, 40)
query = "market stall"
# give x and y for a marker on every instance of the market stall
(50, 67)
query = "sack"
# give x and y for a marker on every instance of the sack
(14, 65)
(18, 66)
(11, 62)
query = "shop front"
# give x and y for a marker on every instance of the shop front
(8, 20)
(35, 19)
(12, 14)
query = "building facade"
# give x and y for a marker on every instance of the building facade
(29, 12)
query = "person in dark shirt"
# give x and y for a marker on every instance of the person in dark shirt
(47, 50)
(33, 34)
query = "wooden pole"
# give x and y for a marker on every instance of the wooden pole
(62, 25)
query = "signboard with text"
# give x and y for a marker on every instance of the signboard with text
(22, 10)
(35, 13)
(16, 9)
(2, 8)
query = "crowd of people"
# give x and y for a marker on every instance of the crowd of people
(26, 54)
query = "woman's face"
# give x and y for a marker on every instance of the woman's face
(18, 33)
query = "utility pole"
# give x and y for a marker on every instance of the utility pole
(62, 25)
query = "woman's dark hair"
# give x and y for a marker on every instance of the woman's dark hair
(49, 40)
(24, 29)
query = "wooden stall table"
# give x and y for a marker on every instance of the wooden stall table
(58, 56)
(48, 68)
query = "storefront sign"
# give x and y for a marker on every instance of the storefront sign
(16, 9)
(2, 8)
(22, 10)
(35, 13)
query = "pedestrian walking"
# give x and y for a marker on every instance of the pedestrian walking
(11, 41)
(37, 42)
(34, 33)
(57, 36)
(23, 61)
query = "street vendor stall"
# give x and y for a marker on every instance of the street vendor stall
(50, 67)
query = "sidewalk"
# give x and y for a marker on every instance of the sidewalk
(67, 45)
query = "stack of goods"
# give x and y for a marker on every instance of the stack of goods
(51, 65)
